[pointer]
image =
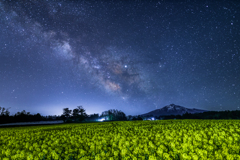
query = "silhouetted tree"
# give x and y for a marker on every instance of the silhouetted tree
(75, 113)
(22, 116)
(137, 118)
(110, 115)
(105, 115)
(67, 113)
(37, 117)
(129, 117)
(4, 116)
(121, 116)
(114, 114)
(3, 112)
(82, 111)
(82, 114)
(93, 117)
(64, 118)
(79, 114)
(178, 117)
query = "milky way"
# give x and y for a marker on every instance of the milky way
(132, 56)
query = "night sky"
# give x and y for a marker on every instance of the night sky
(133, 56)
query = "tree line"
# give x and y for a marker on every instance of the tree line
(79, 115)
(76, 115)
(205, 115)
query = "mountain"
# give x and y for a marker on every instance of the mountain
(173, 109)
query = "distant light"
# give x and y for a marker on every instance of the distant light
(152, 118)
(102, 119)
(125, 66)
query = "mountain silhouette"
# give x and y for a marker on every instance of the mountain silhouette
(173, 109)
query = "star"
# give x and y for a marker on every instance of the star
(112, 54)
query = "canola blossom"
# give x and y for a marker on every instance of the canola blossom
(129, 140)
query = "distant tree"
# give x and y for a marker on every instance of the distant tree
(110, 115)
(50, 117)
(66, 112)
(23, 113)
(178, 116)
(64, 118)
(22, 116)
(94, 116)
(186, 115)
(114, 114)
(4, 116)
(235, 114)
(105, 115)
(2, 111)
(75, 113)
(79, 114)
(134, 118)
(38, 117)
(7, 113)
(129, 117)
(137, 118)
(121, 116)
(82, 111)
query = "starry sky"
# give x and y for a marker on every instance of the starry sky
(133, 56)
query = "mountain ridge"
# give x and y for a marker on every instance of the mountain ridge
(173, 109)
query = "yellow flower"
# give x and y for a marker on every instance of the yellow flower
(8, 152)
(152, 158)
(45, 151)
(210, 142)
(30, 157)
(115, 153)
(66, 152)
(15, 157)
(166, 156)
(123, 152)
(160, 152)
(184, 156)
(134, 158)
(103, 154)
(98, 157)
(194, 157)
(31, 148)
(135, 152)
(40, 155)
(56, 156)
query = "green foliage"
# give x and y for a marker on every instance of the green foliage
(149, 140)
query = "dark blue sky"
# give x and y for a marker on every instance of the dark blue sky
(131, 56)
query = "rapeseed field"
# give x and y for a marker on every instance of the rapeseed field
(137, 140)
